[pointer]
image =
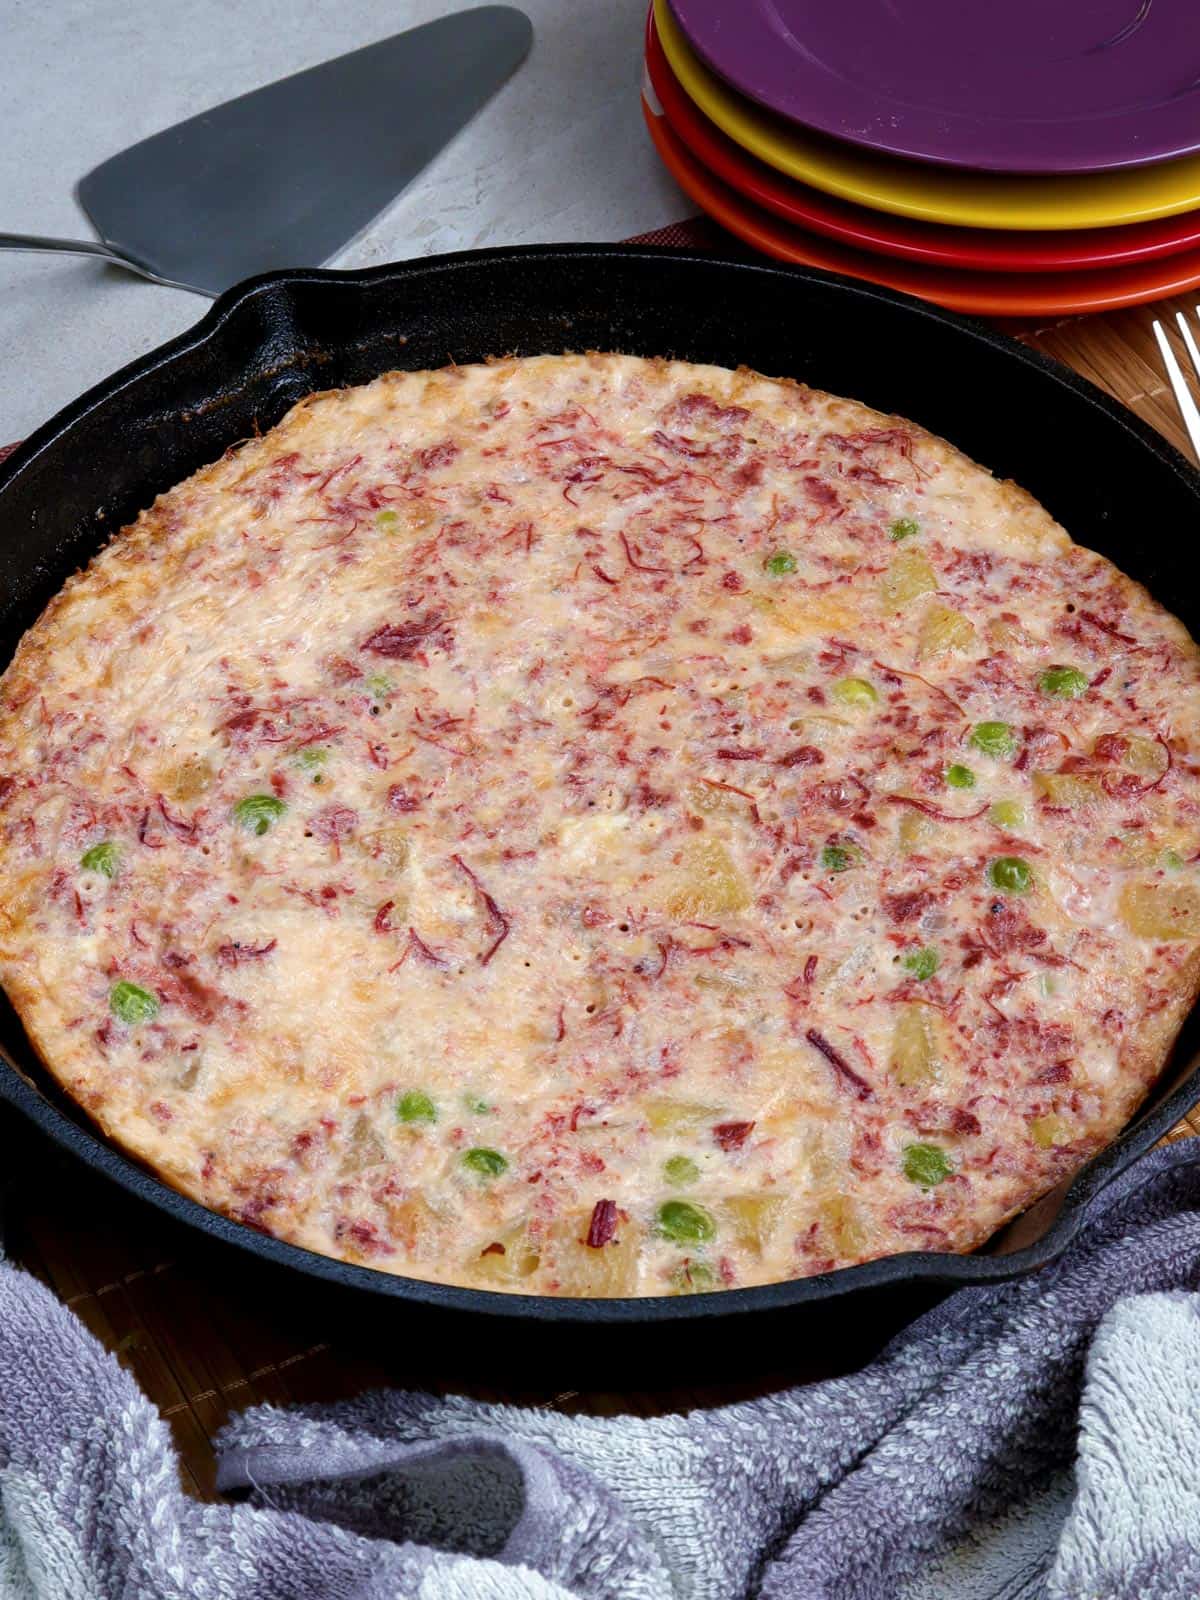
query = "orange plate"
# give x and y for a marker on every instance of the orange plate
(977, 293)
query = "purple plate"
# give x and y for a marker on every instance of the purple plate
(1002, 85)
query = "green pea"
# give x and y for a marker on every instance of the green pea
(1010, 875)
(416, 1106)
(103, 857)
(1171, 860)
(313, 761)
(477, 1105)
(922, 963)
(680, 1170)
(904, 528)
(693, 1277)
(685, 1223)
(995, 739)
(485, 1163)
(1065, 683)
(258, 813)
(959, 777)
(386, 520)
(131, 1004)
(854, 692)
(1007, 814)
(781, 563)
(837, 858)
(926, 1164)
(379, 685)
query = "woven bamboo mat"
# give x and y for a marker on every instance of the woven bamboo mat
(202, 1337)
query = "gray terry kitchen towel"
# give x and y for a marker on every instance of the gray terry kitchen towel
(1038, 1441)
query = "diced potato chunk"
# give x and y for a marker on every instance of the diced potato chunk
(942, 631)
(1135, 848)
(1146, 757)
(1007, 814)
(1066, 789)
(1004, 632)
(670, 1116)
(709, 883)
(1166, 910)
(822, 731)
(915, 831)
(582, 1270)
(908, 577)
(190, 778)
(751, 1219)
(815, 616)
(1049, 1130)
(817, 1159)
(388, 846)
(364, 1148)
(413, 515)
(843, 1222)
(415, 1225)
(915, 1059)
(517, 1259)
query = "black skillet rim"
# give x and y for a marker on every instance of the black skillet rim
(915, 1267)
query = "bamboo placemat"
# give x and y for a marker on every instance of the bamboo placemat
(201, 1337)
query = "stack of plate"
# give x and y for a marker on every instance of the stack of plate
(1025, 159)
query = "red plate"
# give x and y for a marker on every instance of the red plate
(1057, 294)
(972, 249)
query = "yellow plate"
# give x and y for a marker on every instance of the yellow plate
(974, 200)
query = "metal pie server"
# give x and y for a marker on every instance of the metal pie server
(286, 175)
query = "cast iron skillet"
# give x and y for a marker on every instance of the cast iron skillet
(1112, 481)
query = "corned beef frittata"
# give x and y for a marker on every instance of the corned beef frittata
(596, 826)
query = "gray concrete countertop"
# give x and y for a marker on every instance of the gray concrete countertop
(560, 154)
